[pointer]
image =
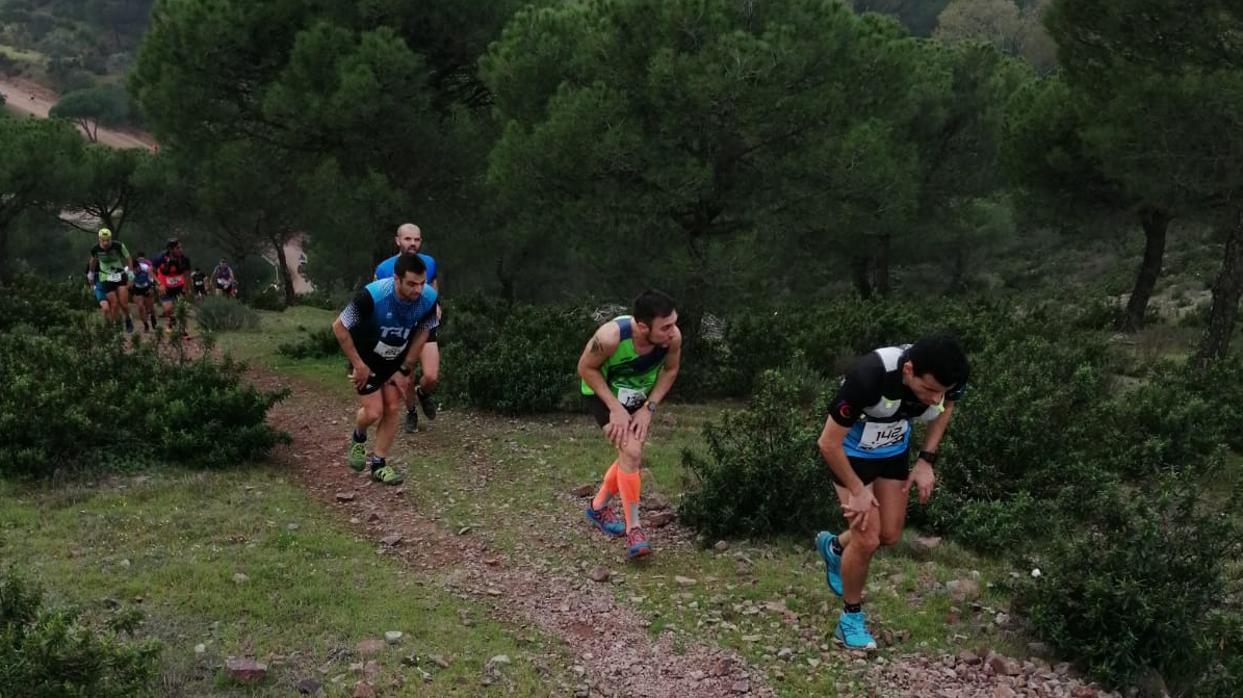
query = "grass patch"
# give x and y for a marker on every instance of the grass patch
(174, 543)
(761, 598)
(259, 346)
(22, 56)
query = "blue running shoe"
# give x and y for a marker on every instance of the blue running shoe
(832, 561)
(606, 521)
(852, 633)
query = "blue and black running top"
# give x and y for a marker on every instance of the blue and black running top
(385, 269)
(878, 407)
(380, 322)
(143, 272)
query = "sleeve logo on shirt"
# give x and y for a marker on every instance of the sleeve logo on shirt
(843, 410)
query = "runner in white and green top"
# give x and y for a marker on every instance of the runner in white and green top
(627, 369)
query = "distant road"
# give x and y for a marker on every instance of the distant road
(25, 97)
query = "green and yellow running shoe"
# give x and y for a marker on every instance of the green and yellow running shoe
(357, 455)
(388, 475)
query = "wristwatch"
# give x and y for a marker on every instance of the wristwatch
(930, 456)
(651, 406)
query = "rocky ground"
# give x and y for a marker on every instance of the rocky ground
(533, 591)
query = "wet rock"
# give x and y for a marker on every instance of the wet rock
(247, 670)
(599, 574)
(684, 581)
(660, 519)
(968, 657)
(962, 590)
(345, 496)
(392, 540)
(721, 546)
(392, 637)
(369, 647)
(308, 687)
(1004, 666)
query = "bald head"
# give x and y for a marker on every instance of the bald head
(409, 238)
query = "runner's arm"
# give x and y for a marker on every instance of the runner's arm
(358, 310)
(416, 347)
(936, 428)
(602, 345)
(668, 372)
(834, 453)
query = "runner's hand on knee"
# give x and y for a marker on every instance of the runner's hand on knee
(857, 508)
(619, 424)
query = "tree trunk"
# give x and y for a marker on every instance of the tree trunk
(282, 264)
(1156, 223)
(863, 282)
(882, 266)
(4, 253)
(691, 307)
(506, 280)
(1226, 292)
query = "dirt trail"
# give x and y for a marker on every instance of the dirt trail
(616, 654)
(32, 99)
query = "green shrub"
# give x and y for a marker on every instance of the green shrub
(267, 298)
(1135, 589)
(762, 473)
(41, 303)
(52, 652)
(222, 314)
(77, 397)
(316, 343)
(527, 365)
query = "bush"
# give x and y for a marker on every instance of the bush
(96, 403)
(313, 344)
(222, 314)
(51, 652)
(1134, 591)
(526, 365)
(762, 473)
(268, 298)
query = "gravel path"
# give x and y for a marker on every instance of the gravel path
(614, 655)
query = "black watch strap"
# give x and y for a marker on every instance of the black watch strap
(930, 456)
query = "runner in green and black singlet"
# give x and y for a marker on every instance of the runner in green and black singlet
(627, 369)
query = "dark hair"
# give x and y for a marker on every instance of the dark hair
(408, 263)
(942, 356)
(141, 254)
(652, 304)
(171, 243)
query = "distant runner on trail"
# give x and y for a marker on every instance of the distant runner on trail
(409, 239)
(226, 281)
(866, 441)
(199, 279)
(144, 280)
(627, 368)
(172, 269)
(381, 332)
(111, 263)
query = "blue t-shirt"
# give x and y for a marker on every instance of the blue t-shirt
(384, 270)
(380, 322)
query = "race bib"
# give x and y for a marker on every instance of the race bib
(630, 398)
(883, 434)
(174, 280)
(113, 277)
(388, 351)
